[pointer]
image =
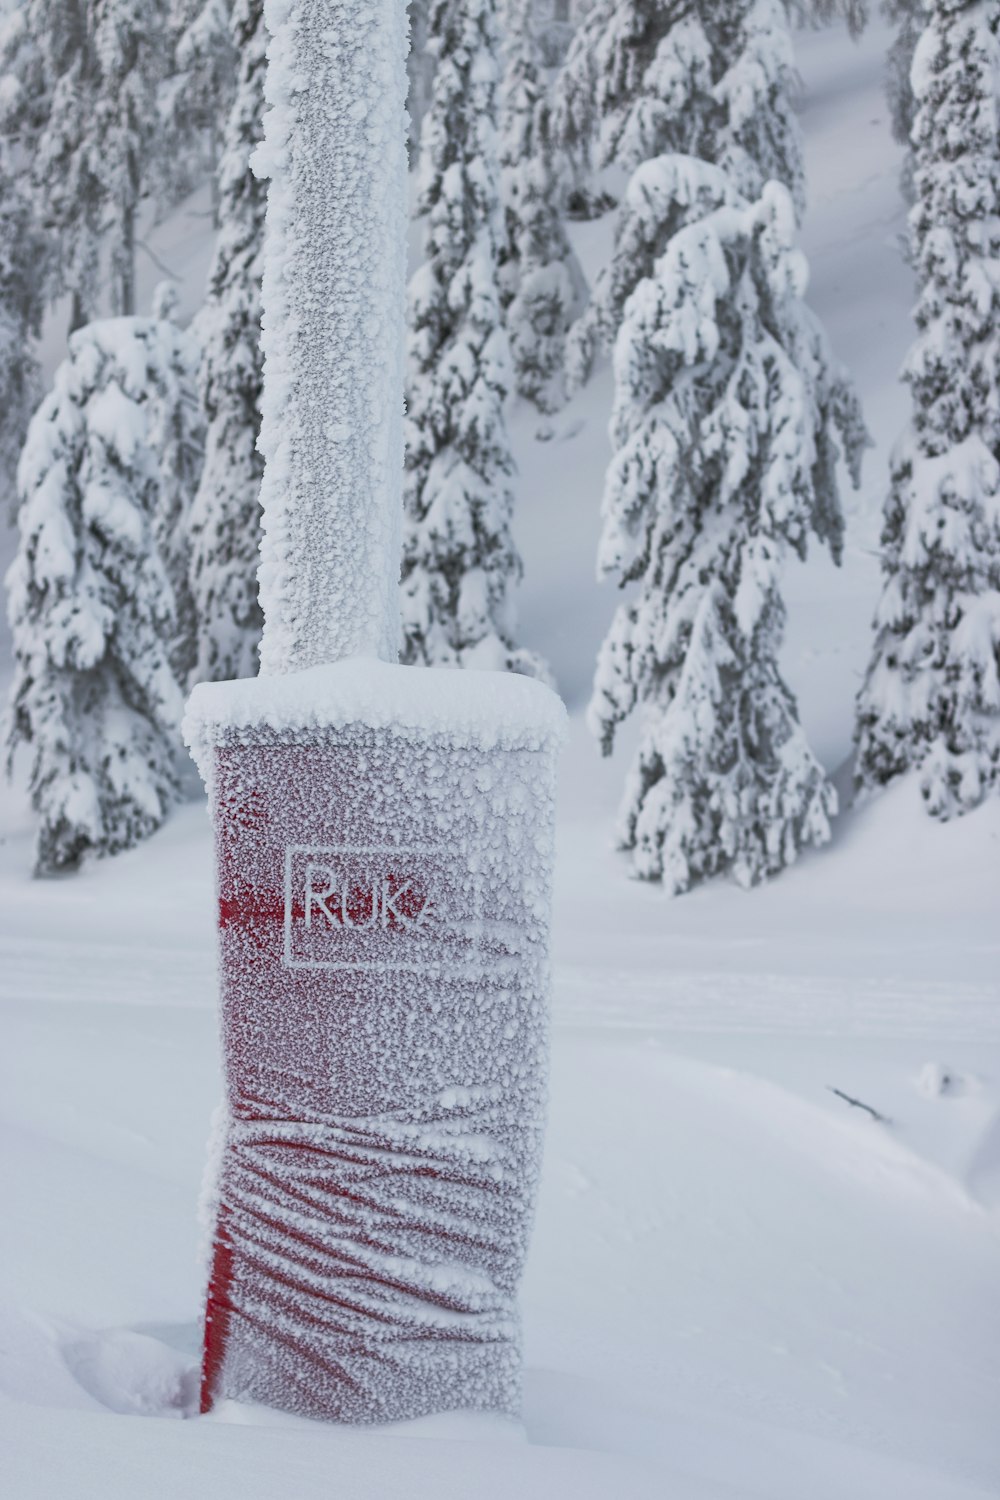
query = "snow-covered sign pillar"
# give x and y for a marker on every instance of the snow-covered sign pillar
(383, 841)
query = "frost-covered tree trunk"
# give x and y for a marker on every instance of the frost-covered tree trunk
(726, 403)
(931, 698)
(95, 700)
(460, 565)
(225, 518)
(540, 283)
(710, 80)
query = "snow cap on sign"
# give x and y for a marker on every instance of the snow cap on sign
(483, 709)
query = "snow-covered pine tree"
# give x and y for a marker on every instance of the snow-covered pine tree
(726, 403)
(94, 699)
(46, 96)
(520, 92)
(584, 90)
(710, 80)
(419, 70)
(79, 97)
(131, 51)
(22, 267)
(822, 12)
(908, 16)
(460, 565)
(225, 518)
(931, 698)
(176, 434)
(198, 97)
(554, 23)
(550, 285)
(540, 283)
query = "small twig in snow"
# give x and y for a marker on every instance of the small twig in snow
(858, 1104)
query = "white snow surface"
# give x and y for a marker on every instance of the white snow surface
(740, 1286)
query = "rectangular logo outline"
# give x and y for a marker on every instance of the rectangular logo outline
(468, 969)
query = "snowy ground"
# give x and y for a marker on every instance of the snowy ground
(740, 1286)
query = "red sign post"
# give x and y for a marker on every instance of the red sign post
(383, 912)
(383, 842)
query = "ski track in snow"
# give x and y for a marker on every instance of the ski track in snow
(767, 1004)
(105, 974)
(776, 1005)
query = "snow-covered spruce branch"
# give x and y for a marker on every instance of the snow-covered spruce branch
(726, 404)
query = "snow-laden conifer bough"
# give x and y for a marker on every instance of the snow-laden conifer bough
(384, 840)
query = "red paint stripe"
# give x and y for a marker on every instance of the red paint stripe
(260, 908)
(218, 1313)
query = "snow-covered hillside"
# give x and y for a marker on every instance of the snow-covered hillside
(741, 1284)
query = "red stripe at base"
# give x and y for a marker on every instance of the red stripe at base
(218, 1310)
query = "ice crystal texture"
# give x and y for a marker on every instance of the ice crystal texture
(384, 849)
(333, 292)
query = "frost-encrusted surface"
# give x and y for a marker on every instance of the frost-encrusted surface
(484, 709)
(333, 296)
(383, 915)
